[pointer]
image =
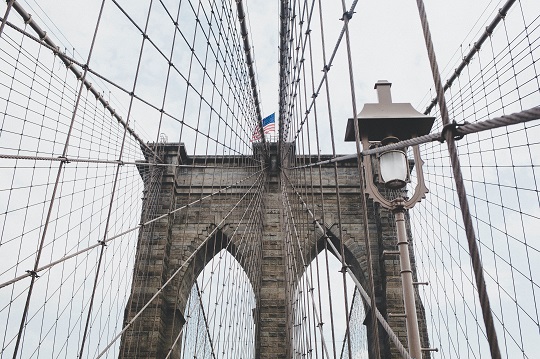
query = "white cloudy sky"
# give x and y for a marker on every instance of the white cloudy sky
(387, 43)
(386, 39)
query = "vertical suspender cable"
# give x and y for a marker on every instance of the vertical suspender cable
(477, 44)
(4, 20)
(113, 191)
(377, 350)
(82, 78)
(460, 188)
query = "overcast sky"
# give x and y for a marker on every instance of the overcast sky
(387, 42)
(386, 38)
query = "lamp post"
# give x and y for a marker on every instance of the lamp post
(381, 124)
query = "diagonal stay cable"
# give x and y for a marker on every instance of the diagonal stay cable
(71, 62)
(45, 39)
(326, 69)
(173, 275)
(528, 115)
(366, 296)
(205, 320)
(304, 264)
(243, 240)
(111, 162)
(141, 225)
(460, 189)
(476, 47)
(250, 61)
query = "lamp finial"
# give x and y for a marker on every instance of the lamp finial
(383, 91)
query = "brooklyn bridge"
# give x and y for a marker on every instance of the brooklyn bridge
(255, 179)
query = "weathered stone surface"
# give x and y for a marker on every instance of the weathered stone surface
(170, 242)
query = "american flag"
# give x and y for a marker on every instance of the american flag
(269, 125)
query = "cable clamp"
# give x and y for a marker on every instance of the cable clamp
(347, 15)
(32, 273)
(103, 243)
(452, 127)
(63, 159)
(27, 21)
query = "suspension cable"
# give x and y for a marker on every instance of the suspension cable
(70, 64)
(458, 131)
(174, 274)
(460, 188)
(474, 50)
(402, 350)
(139, 226)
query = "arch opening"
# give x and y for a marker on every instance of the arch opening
(319, 313)
(219, 312)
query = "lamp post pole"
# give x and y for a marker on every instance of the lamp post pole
(411, 318)
(388, 122)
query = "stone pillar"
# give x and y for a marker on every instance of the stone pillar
(165, 246)
(271, 341)
(272, 301)
(149, 335)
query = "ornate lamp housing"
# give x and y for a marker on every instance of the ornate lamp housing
(384, 123)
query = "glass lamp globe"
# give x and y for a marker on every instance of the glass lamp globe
(394, 169)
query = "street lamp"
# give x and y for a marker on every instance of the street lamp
(381, 124)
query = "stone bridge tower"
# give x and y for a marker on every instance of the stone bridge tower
(172, 246)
